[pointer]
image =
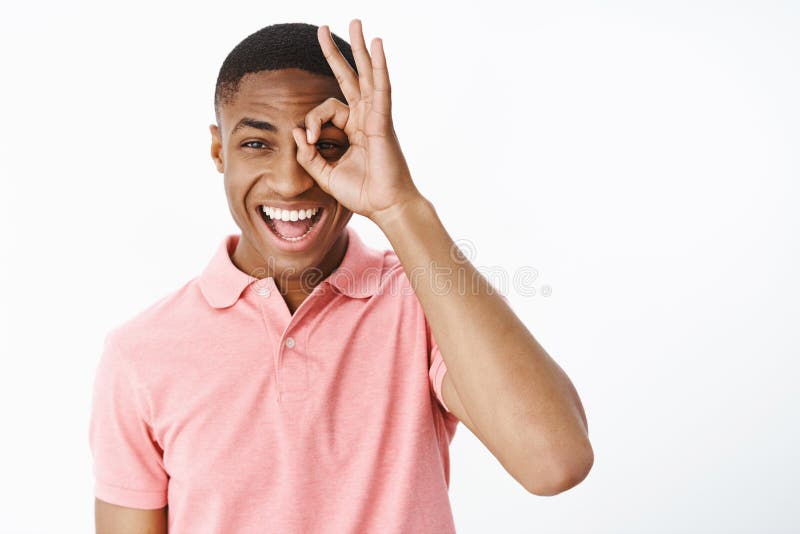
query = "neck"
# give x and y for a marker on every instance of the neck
(294, 289)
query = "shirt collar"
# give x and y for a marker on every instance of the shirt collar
(358, 275)
(222, 282)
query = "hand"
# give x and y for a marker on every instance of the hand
(371, 178)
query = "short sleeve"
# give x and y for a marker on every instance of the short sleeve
(128, 464)
(436, 373)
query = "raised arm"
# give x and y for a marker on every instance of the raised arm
(499, 380)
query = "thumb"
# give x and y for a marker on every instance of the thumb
(310, 159)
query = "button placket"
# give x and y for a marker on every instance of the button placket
(290, 373)
(291, 364)
(293, 370)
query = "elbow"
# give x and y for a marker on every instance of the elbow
(564, 472)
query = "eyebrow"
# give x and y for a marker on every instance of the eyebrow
(248, 122)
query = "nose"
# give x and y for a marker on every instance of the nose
(289, 178)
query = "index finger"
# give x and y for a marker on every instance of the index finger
(344, 73)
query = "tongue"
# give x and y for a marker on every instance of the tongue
(291, 228)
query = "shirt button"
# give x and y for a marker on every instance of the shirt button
(263, 291)
(290, 342)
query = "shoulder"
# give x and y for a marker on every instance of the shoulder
(396, 292)
(153, 326)
(394, 279)
(391, 263)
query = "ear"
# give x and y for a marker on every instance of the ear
(216, 148)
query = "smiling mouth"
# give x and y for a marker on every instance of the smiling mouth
(290, 225)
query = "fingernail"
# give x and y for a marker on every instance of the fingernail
(308, 135)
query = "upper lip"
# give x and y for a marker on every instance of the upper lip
(285, 206)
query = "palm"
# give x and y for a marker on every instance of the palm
(365, 179)
(372, 175)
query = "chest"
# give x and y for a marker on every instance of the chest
(253, 402)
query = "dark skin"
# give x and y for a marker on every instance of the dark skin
(261, 167)
(500, 382)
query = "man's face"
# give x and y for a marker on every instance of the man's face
(254, 148)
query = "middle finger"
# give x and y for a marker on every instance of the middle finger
(360, 54)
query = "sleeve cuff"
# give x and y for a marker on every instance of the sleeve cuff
(438, 376)
(147, 500)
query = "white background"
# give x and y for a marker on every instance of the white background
(643, 157)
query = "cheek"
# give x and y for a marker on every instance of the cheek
(241, 173)
(236, 188)
(243, 166)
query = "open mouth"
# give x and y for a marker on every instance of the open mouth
(290, 225)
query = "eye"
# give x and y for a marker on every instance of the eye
(254, 144)
(329, 147)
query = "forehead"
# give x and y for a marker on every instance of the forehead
(281, 95)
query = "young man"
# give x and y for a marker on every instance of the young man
(304, 382)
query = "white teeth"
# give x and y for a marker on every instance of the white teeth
(289, 215)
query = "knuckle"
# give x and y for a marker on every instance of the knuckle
(336, 105)
(312, 120)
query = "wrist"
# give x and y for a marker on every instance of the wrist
(404, 213)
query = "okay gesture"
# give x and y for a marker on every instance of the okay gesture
(372, 176)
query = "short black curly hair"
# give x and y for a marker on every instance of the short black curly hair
(278, 46)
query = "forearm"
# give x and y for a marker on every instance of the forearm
(522, 404)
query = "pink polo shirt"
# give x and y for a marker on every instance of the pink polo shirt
(245, 418)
